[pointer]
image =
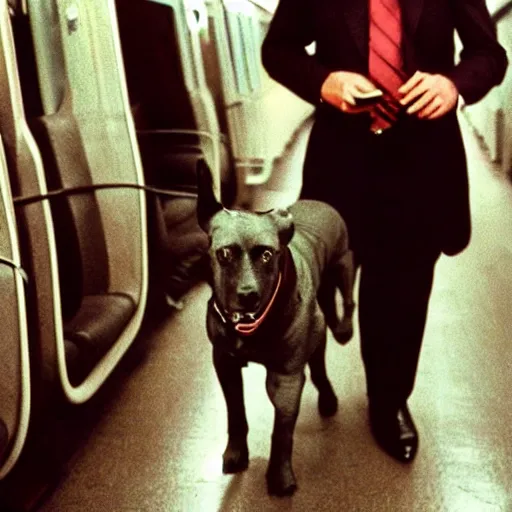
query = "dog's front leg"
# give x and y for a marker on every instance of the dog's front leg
(229, 373)
(284, 392)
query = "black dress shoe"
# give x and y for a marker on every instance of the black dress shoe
(395, 432)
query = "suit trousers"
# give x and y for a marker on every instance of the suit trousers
(391, 234)
(398, 257)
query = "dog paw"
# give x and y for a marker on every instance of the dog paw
(343, 332)
(327, 404)
(281, 481)
(235, 458)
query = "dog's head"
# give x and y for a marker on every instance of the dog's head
(245, 250)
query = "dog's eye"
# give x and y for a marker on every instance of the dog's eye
(225, 255)
(266, 255)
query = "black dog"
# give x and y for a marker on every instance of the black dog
(274, 277)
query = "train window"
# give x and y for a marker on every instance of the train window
(217, 76)
(250, 50)
(237, 46)
(257, 42)
(220, 36)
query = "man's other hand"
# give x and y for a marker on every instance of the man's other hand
(429, 96)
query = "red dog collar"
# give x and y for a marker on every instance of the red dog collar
(247, 328)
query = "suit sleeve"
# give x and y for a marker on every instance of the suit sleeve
(283, 51)
(483, 61)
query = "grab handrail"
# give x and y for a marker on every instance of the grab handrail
(266, 5)
(502, 11)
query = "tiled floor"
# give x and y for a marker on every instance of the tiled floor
(157, 445)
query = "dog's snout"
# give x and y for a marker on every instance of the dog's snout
(248, 300)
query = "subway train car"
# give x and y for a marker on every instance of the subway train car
(108, 396)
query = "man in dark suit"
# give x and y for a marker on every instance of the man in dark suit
(395, 171)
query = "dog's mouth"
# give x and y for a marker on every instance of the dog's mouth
(239, 316)
(242, 316)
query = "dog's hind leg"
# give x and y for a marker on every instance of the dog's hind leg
(229, 373)
(284, 392)
(345, 276)
(327, 401)
(326, 299)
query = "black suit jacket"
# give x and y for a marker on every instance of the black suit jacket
(340, 29)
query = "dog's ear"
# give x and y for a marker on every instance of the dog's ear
(284, 222)
(207, 204)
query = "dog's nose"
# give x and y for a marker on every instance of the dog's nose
(248, 300)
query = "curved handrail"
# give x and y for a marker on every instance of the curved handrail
(87, 189)
(267, 5)
(501, 10)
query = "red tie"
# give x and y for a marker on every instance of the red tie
(385, 58)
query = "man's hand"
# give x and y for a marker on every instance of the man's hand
(340, 87)
(430, 96)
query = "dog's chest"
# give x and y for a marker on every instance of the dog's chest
(267, 346)
(247, 350)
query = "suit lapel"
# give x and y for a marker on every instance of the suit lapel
(411, 11)
(356, 17)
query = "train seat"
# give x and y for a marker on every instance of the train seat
(14, 373)
(94, 329)
(10, 391)
(93, 316)
(76, 247)
(182, 244)
(4, 438)
(176, 126)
